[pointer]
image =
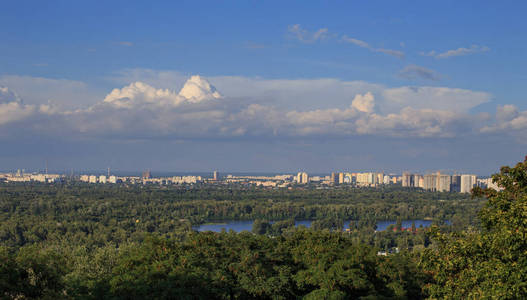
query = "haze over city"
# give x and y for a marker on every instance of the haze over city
(262, 87)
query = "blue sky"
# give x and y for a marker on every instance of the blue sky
(455, 70)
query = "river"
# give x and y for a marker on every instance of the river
(239, 226)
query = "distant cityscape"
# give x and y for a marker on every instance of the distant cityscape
(461, 183)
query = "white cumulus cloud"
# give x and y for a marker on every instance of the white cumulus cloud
(139, 93)
(364, 103)
(68, 94)
(509, 120)
(438, 98)
(196, 89)
(12, 108)
(410, 122)
(257, 107)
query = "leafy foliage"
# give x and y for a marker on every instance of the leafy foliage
(128, 242)
(491, 263)
(302, 263)
(94, 215)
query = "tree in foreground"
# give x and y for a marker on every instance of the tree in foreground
(491, 263)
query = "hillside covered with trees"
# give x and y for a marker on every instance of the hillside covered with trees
(100, 242)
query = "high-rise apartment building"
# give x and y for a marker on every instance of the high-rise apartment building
(334, 178)
(419, 181)
(341, 178)
(305, 178)
(488, 183)
(348, 178)
(430, 182)
(366, 178)
(437, 182)
(92, 179)
(372, 178)
(407, 180)
(467, 183)
(380, 178)
(362, 178)
(216, 175)
(443, 182)
(302, 177)
(456, 183)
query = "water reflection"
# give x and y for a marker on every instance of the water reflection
(239, 226)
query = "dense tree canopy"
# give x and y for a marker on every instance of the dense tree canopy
(126, 242)
(303, 263)
(491, 263)
(93, 215)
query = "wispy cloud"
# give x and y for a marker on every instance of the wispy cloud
(363, 44)
(417, 72)
(307, 36)
(456, 52)
(359, 43)
(297, 32)
(126, 43)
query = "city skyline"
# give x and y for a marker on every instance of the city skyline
(248, 87)
(155, 173)
(440, 182)
(333, 174)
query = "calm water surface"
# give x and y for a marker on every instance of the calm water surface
(239, 226)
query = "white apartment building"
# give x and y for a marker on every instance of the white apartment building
(467, 183)
(92, 179)
(302, 177)
(112, 179)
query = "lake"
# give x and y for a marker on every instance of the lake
(239, 226)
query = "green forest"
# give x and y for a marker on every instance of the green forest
(80, 241)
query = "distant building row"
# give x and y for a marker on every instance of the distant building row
(361, 179)
(143, 179)
(446, 183)
(21, 176)
(434, 182)
(100, 179)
